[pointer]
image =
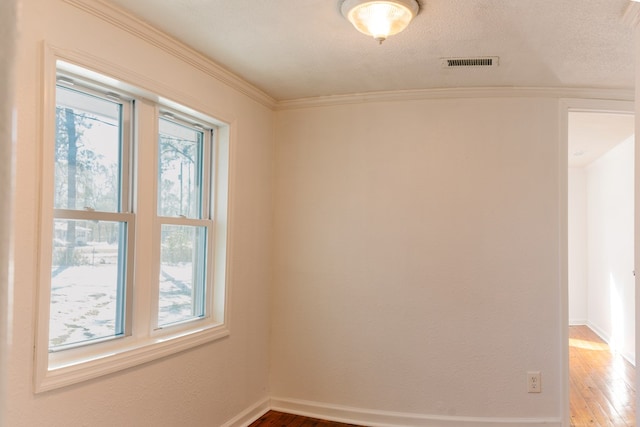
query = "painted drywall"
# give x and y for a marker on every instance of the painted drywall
(205, 386)
(636, 190)
(8, 18)
(611, 295)
(577, 241)
(417, 265)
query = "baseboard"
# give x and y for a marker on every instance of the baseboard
(374, 418)
(599, 332)
(607, 338)
(578, 322)
(249, 415)
(630, 358)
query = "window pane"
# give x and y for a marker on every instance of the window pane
(87, 281)
(182, 274)
(87, 152)
(180, 170)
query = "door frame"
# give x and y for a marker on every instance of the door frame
(593, 106)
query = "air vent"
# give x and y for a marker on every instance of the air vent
(483, 61)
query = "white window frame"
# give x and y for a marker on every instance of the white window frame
(143, 340)
(123, 214)
(201, 220)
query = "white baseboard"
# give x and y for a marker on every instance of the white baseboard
(578, 322)
(600, 332)
(249, 415)
(374, 418)
(629, 357)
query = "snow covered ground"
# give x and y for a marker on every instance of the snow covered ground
(84, 297)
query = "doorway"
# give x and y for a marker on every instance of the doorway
(601, 283)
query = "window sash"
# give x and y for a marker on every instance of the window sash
(123, 294)
(203, 165)
(202, 267)
(89, 98)
(126, 102)
(193, 282)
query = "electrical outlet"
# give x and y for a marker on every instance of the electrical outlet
(533, 382)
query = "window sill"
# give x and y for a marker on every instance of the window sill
(85, 368)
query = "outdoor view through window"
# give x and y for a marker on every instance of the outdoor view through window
(93, 219)
(183, 245)
(88, 263)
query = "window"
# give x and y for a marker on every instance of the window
(92, 219)
(183, 165)
(133, 232)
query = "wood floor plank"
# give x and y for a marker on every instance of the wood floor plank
(281, 419)
(602, 384)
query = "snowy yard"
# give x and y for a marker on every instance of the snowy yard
(84, 297)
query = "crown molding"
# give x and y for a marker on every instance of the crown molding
(140, 29)
(453, 93)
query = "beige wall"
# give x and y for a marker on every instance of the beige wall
(417, 265)
(7, 49)
(610, 282)
(577, 245)
(636, 255)
(205, 386)
(414, 247)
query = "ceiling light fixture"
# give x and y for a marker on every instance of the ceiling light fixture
(380, 18)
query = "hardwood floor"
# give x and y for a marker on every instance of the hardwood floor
(280, 419)
(602, 388)
(602, 385)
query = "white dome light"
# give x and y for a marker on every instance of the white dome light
(380, 18)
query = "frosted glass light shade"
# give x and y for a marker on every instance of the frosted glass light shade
(380, 18)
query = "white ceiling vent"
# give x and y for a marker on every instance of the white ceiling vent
(479, 61)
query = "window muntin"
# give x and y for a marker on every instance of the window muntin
(88, 282)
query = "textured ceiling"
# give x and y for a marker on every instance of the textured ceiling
(295, 49)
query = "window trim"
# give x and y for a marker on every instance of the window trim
(60, 369)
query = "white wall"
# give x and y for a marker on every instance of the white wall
(610, 201)
(636, 192)
(8, 17)
(577, 240)
(417, 257)
(205, 386)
